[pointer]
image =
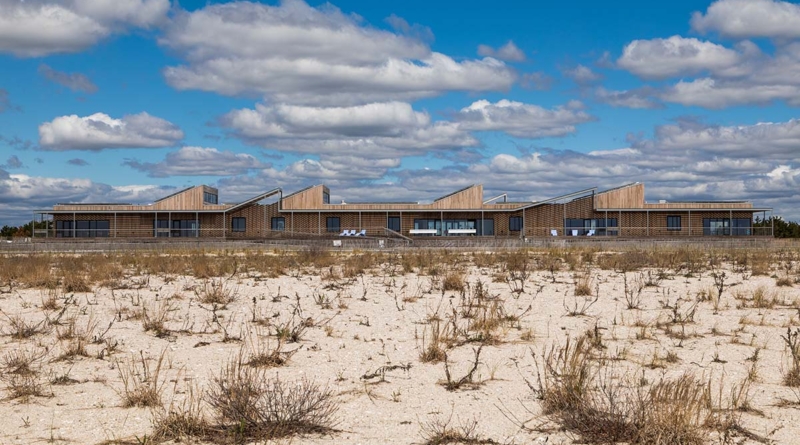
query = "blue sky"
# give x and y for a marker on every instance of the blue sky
(127, 100)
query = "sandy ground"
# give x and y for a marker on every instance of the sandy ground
(379, 319)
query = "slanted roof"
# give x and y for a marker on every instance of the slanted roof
(454, 193)
(176, 193)
(253, 200)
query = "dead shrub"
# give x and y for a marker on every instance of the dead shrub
(590, 400)
(454, 281)
(583, 284)
(142, 383)
(251, 405)
(216, 291)
(440, 431)
(434, 342)
(181, 422)
(22, 361)
(792, 341)
(19, 328)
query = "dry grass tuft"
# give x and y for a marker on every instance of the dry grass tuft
(251, 405)
(142, 384)
(588, 399)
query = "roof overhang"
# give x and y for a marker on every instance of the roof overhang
(697, 209)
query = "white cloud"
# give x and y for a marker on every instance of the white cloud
(777, 141)
(100, 131)
(582, 74)
(676, 56)
(299, 54)
(371, 131)
(743, 19)
(39, 28)
(508, 52)
(521, 120)
(198, 161)
(637, 99)
(73, 81)
(711, 93)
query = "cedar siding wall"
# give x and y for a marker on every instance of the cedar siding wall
(539, 221)
(305, 213)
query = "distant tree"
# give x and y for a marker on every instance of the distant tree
(23, 230)
(783, 229)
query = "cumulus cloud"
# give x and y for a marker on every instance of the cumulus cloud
(675, 56)
(743, 19)
(713, 76)
(521, 120)
(416, 31)
(41, 27)
(371, 131)
(21, 194)
(777, 141)
(73, 81)
(638, 98)
(508, 52)
(295, 53)
(198, 161)
(100, 131)
(582, 75)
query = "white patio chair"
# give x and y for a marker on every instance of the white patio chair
(554, 232)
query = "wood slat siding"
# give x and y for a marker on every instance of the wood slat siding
(700, 205)
(471, 198)
(630, 197)
(307, 199)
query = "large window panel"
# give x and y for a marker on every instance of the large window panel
(393, 223)
(238, 224)
(332, 224)
(278, 223)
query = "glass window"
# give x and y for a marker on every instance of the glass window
(515, 224)
(716, 226)
(326, 198)
(673, 223)
(209, 198)
(278, 223)
(238, 224)
(742, 226)
(332, 224)
(64, 229)
(393, 223)
(485, 227)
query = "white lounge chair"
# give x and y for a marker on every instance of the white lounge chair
(554, 232)
(591, 233)
(361, 233)
(352, 233)
(344, 233)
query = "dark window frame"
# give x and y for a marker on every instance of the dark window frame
(239, 224)
(333, 228)
(515, 224)
(326, 198)
(671, 223)
(390, 223)
(210, 198)
(274, 226)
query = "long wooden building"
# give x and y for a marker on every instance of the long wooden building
(196, 212)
